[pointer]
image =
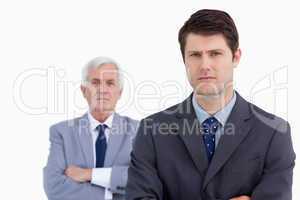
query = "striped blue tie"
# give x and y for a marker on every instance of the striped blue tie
(100, 146)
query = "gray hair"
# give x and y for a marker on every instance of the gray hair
(97, 63)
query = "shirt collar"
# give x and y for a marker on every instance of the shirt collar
(95, 123)
(222, 115)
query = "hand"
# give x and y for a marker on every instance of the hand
(241, 198)
(78, 174)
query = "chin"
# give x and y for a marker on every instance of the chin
(103, 109)
(101, 105)
(208, 90)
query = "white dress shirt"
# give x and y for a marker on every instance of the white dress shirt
(101, 176)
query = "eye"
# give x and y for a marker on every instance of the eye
(110, 83)
(195, 54)
(95, 82)
(215, 53)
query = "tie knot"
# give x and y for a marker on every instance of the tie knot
(101, 128)
(210, 125)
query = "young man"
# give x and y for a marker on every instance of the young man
(214, 145)
(89, 155)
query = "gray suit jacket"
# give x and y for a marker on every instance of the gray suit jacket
(254, 157)
(71, 144)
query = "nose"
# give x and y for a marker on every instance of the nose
(103, 88)
(205, 64)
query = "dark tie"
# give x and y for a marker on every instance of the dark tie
(209, 128)
(100, 146)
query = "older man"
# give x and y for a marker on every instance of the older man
(89, 155)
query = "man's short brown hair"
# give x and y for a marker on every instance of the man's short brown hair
(210, 22)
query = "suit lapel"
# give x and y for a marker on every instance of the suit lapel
(236, 129)
(115, 140)
(85, 139)
(189, 132)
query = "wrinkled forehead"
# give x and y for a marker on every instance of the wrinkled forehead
(103, 72)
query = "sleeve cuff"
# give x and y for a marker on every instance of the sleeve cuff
(101, 177)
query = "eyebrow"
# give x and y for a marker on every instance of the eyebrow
(97, 79)
(94, 79)
(196, 51)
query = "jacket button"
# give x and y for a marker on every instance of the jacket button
(120, 188)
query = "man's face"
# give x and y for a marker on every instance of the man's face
(209, 63)
(103, 89)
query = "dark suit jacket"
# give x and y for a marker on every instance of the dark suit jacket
(254, 157)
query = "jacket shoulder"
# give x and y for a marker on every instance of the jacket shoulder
(66, 125)
(131, 125)
(268, 120)
(165, 114)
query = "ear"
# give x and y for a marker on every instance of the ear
(83, 90)
(237, 57)
(120, 93)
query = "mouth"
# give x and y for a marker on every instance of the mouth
(204, 78)
(101, 99)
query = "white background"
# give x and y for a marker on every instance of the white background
(44, 44)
